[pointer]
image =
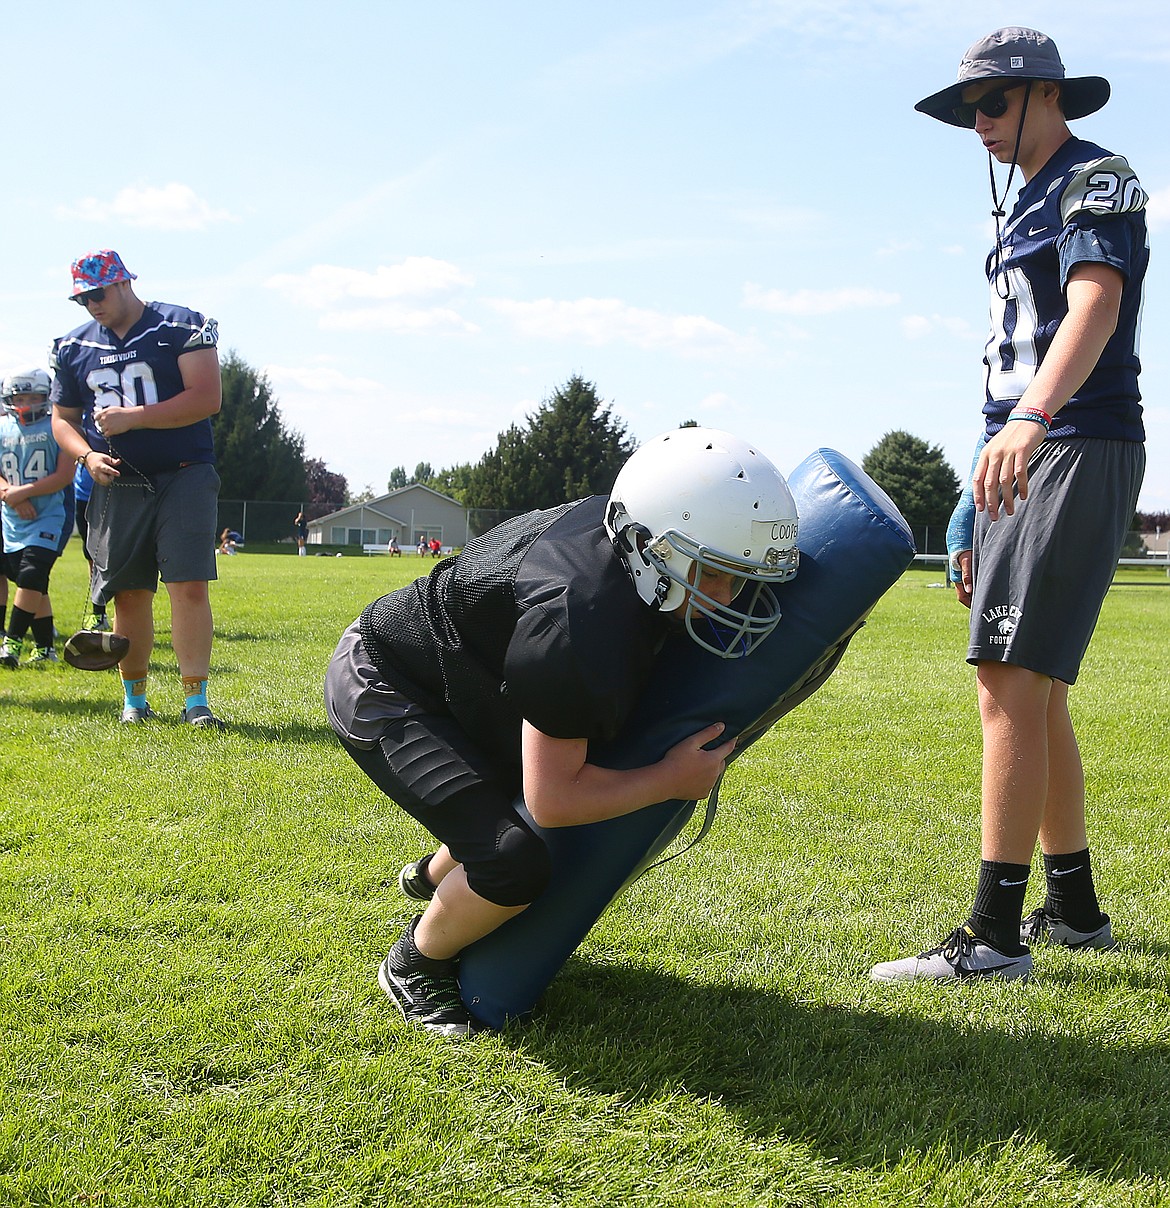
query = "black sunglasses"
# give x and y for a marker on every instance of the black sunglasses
(990, 104)
(92, 295)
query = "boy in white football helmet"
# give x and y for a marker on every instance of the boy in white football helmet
(32, 485)
(491, 676)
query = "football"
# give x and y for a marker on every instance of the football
(89, 650)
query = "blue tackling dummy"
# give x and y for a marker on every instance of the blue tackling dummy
(854, 545)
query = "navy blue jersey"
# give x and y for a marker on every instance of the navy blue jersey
(95, 368)
(1084, 206)
(28, 454)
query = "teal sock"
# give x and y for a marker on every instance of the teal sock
(195, 691)
(135, 693)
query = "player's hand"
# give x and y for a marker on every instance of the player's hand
(113, 421)
(965, 584)
(1003, 465)
(694, 770)
(23, 507)
(103, 467)
(18, 499)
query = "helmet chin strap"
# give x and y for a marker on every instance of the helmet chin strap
(998, 212)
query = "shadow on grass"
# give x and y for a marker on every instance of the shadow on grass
(293, 732)
(860, 1085)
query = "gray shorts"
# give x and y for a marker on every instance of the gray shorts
(1042, 574)
(138, 535)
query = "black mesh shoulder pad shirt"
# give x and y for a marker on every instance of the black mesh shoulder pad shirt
(536, 619)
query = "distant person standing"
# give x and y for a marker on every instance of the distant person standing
(301, 527)
(136, 387)
(1053, 491)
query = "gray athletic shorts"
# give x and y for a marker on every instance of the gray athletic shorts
(1041, 575)
(137, 536)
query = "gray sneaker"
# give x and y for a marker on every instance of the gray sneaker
(427, 991)
(202, 718)
(131, 715)
(961, 955)
(415, 883)
(41, 656)
(1042, 928)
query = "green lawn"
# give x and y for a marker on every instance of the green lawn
(190, 925)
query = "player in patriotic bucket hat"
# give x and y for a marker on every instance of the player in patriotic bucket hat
(97, 270)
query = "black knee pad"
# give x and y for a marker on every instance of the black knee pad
(519, 872)
(33, 568)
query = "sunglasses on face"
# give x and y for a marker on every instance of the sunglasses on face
(93, 295)
(990, 104)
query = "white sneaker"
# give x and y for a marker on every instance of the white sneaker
(961, 955)
(1042, 928)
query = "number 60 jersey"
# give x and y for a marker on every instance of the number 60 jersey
(94, 368)
(1084, 206)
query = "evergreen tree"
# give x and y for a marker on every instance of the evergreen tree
(397, 479)
(571, 447)
(256, 455)
(917, 477)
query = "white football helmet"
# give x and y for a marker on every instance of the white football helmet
(32, 391)
(696, 499)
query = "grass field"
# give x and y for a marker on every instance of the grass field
(190, 925)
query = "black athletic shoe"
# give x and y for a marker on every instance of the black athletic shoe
(426, 991)
(415, 883)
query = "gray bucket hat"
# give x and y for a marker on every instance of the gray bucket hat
(1016, 53)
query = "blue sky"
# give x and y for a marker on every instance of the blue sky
(420, 219)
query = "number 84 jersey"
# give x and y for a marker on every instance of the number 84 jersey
(1084, 206)
(28, 454)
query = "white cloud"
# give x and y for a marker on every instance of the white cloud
(815, 301)
(414, 277)
(917, 327)
(173, 207)
(321, 378)
(402, 319)
(600, 321)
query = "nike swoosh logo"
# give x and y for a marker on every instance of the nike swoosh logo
(1036, 231)
(984, 969)
(1009, 884)
(1064, 872)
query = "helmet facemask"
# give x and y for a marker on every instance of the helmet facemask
(26, 396)
(730, 630)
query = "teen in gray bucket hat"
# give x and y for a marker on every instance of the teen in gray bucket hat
(1035, 538)
(1021, 54)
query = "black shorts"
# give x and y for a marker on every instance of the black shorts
(1040, 575)
(140, 533)
(29, 567)
(428, 764)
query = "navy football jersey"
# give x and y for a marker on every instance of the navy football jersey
(94, 367)
(1085, 205)
(28, 454)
